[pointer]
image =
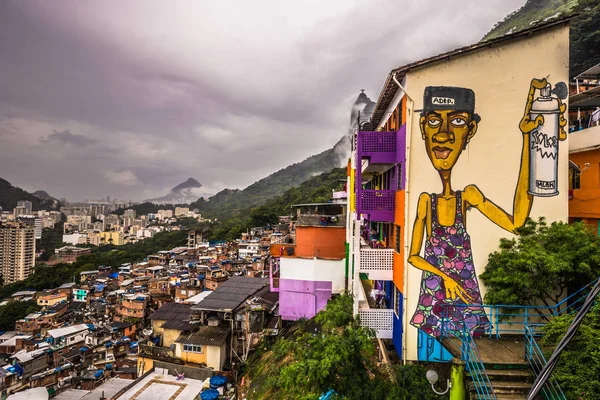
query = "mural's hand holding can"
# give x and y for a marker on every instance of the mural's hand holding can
(543, 145)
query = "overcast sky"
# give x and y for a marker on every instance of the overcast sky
(128, 98)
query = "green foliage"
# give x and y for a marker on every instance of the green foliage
(10, 195)
(51, 240)
(315, 190)
(14, 311)
(43, 277)
(585, 37)
(233, 203)
(331, 352)
(543, 263)
(578, 367)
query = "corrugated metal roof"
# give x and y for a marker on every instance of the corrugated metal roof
(60, 332)
(184, 326)
(206, 335)
(173, 311)
(231, 293)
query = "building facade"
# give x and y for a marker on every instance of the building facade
(17, 251)
(473, 138)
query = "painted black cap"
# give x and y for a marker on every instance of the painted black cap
(448, 98)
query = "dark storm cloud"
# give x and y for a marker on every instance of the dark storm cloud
(149, 92)
(66, 137)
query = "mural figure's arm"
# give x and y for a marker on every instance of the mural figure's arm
(453, 288)
(523, 200)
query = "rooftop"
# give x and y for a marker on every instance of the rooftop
(157, 386)
(173, 311)
(60, 332)
(231, 294)
(206, 335)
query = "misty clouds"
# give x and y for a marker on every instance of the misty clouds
(128, 98)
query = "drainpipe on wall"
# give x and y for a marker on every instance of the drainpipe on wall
(409, 117)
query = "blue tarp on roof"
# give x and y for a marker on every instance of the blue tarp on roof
(91, 326)
(108, 366)
(209, 394)
(99, 373)
(114, 275)
(108, 344)
(83, 349)
(201, 276)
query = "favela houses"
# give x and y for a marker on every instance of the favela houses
(445, 247)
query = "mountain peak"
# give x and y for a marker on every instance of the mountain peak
(190, 183)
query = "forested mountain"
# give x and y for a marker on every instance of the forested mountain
(585, 27)
(10, 195)
(317, 189)
(232, 203)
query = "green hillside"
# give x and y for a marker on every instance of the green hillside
(316, 189)
(10, 195)
(231, 202)
(585, 27)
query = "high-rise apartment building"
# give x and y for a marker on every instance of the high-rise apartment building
(28, 206)
(17, 251)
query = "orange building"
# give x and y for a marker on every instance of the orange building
(307, 271)
(584, 174)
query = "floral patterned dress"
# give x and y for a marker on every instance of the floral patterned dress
(449, 250)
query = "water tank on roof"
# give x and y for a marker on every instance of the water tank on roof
(213, 321)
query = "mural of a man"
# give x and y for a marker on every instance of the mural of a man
(449, 288)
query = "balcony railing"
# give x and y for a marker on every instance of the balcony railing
(159, 353)
(378, 264)
(381, 320)
(321, 220)
(379, 204)
(379, 147)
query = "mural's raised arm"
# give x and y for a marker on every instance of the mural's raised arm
(536, 177)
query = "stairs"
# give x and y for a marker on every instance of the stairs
(510, 381)
(504, 363)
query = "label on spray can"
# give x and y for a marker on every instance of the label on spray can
(543, 145)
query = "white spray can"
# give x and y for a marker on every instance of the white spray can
(543, 145)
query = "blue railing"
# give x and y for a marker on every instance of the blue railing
(536, 360)
(470, 354)
(515, 319)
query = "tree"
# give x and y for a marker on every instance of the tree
(14, 311)
(544, 263)
(331, 352)
(578, 367)
(585, 36)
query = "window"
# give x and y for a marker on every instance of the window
(192, 348)
(398, 232)
(575, 179)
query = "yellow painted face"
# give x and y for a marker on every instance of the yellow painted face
(446, 133)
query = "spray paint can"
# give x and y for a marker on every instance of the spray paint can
(543, 145)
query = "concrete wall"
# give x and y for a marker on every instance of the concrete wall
(215, 356)
(500, 78)
(302, 298)
(314, 270)
(322, 242)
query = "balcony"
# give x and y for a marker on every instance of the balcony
(159, 353)
(379, 204)
(378, 147)
(381, 320)
(378, 264)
